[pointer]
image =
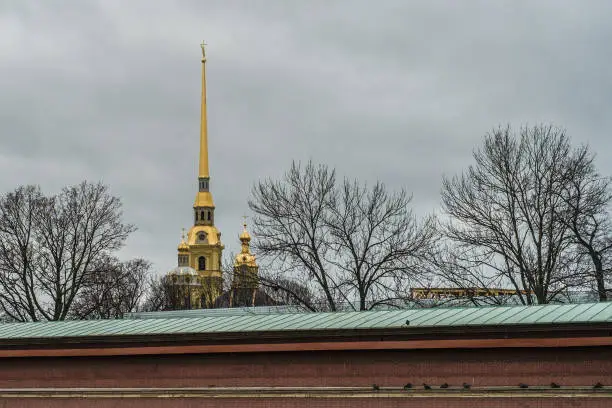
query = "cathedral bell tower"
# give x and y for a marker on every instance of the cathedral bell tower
(203, 248)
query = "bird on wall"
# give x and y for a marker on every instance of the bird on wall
(554, 385)
(426, 386)
(408, 386)
(466, 386)
(521, 385)
(445, 385)
(375, 387)
(598, 385)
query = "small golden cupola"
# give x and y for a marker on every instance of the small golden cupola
(245, 282)
(245, 257)
(183, 251)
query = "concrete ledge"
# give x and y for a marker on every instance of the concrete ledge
(308, 392)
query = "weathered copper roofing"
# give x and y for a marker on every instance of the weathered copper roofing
(230, 321)
(234, 311)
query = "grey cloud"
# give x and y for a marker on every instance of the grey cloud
(392, 90)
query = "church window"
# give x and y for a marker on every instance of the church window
(208, 216)
(202, 215)
(201, 263)
(202, 236)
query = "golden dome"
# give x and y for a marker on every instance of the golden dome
(245, 234)
(245, 257)
(183, 247)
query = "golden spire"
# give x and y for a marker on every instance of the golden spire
(203, 124)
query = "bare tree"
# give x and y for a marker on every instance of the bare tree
(471, 280)
(588, 197)
(376, 243)
(162, 295)
(347, 244)
(283, 291)
(19, 211)
(290, 225)
(507, 211)
(50, 245)
(114, 288)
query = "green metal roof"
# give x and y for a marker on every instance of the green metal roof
(234, 311)
(249, 322)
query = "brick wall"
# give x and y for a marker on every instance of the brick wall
(302, 403)
(484, 367)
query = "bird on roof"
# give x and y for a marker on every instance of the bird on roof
(408, 386)
(521, 385)
(375, 387)
(466, 386)
(598, 385)
(445, 385)
(554, 385)
(427, 386)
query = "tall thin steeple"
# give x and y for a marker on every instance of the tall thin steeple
(201, 251)
(203, 173)
(203, 198)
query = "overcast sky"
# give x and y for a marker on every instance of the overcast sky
(400, 91)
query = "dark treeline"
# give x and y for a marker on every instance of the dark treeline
(531, 214)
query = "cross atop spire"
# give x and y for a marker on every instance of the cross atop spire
(245, 237)
(203, 45)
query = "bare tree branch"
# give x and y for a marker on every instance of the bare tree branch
(49, 246)
(506, 211)
(113, 289)
(587, 195)
(346, 244)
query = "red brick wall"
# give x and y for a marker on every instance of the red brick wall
(484, 367)
(320, 403)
